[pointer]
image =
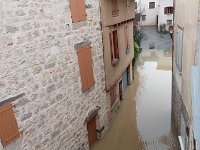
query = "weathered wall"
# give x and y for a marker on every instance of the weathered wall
(125, 13)
(151, 14)
(114, 73)
(38, 61)
(188, 20)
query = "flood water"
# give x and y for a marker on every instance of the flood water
(144, 119)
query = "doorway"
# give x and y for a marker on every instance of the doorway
(121, 90)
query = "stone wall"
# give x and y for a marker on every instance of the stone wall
(179, 109)
(39, 72)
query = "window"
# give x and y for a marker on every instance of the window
(113, 95)
(152, 5)
(179, 49)
(169, 22)
(126, 37)
(86, 69)
(8, 125)
(114, 47)
(115, 9)
(78, 11)
(168, 10)
(143, 17)
(136, 6)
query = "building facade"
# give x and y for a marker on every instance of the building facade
(156, 12)
(165, 13)
(149, 12)
(52, 77)
(63, 68)
(185, 94)
(117, 26)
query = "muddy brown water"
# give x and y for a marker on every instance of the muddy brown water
(144, 120)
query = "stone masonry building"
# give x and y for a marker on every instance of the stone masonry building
(51, 75)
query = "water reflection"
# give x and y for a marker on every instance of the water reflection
(144, 120)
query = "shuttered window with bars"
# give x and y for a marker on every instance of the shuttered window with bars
(78, 10)
(152, 5)
(86, 69)
(8, 125)
(115, 9)
(168, 10)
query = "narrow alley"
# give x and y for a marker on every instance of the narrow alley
(99, 75)
(144, 119)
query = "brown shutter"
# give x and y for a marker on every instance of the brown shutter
(115, 9)
(89, 67)
(126, 36)
(74, 10)
(113, 95)
(92, 134)
(86, 69)
(165, 10)
(172, 8)
(111, 48)
(8, 125)
(82, 10)
(115, 42)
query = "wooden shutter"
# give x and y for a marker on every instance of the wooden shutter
(165, 10)
(172, 10)
(111, 47)
(86, 69)
(74, 10)
(115, 45)
(82, 10)
(113, 95)
(115, 9)
(8, 125)
(126, 36)
(92, 134)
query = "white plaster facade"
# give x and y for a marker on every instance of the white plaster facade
(151, 14)
(156, 15)
(162, 17)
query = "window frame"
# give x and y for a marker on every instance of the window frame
(114, 49)
(144, 17)
(179, 49)
(150, 5)
(169, 10)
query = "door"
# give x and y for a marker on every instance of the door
(92, 134)
(128, 75)
(125, 79)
